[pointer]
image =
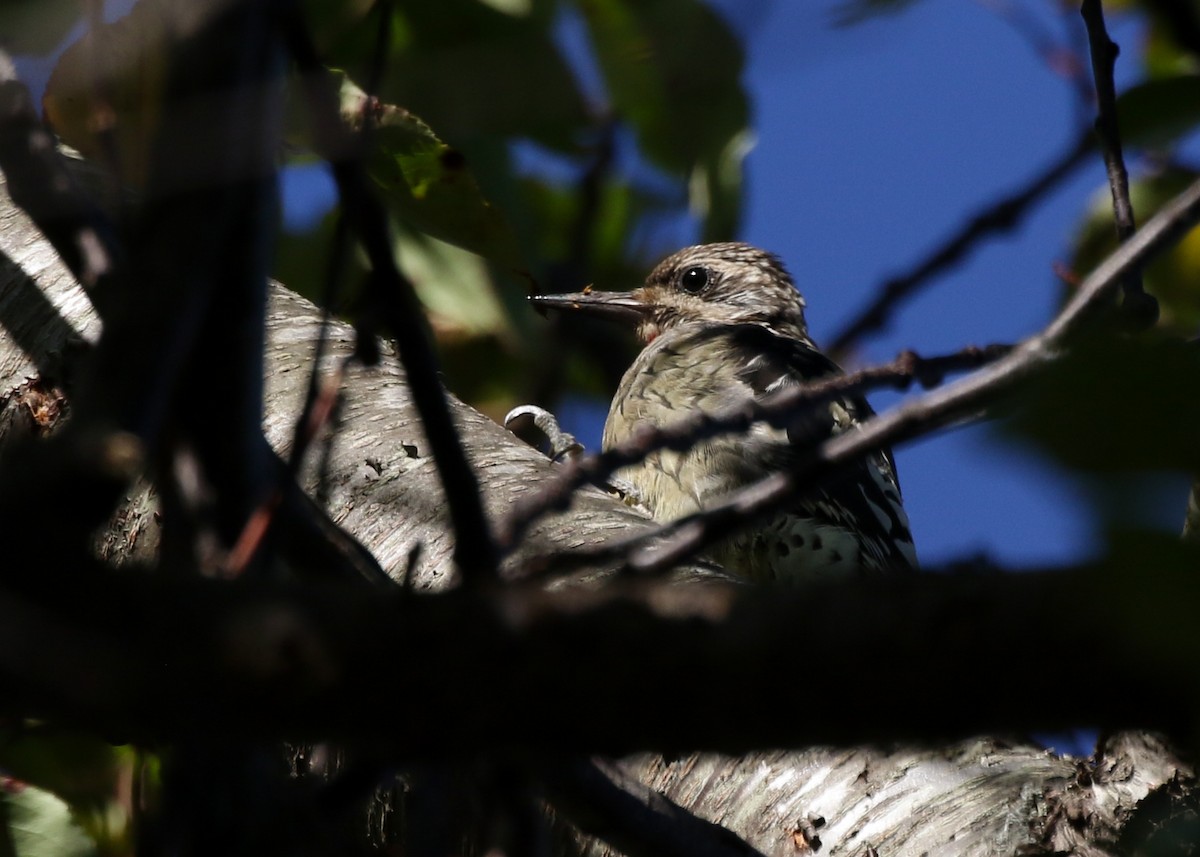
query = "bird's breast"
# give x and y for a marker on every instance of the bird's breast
(673, 380)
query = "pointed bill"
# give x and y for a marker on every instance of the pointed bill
(620, 306)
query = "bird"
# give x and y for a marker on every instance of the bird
(720, 324)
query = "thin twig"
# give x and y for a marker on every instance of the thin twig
(307, 424)
(320, 400)
(1139, 308)
(548, 375)
(919, 416)
(316, 415)
(998, 217)
(777, 410)
(338, 251)
(1061, 59)
(475, 553)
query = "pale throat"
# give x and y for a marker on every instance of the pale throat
(648, 331)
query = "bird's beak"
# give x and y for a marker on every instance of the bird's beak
(619, 306)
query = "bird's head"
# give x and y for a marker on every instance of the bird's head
(730, 283)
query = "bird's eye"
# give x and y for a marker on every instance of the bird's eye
(694, 279)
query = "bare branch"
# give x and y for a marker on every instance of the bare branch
(396, 299)
(146, 659)
(998, 217)
(1138, 307)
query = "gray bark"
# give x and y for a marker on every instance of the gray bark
(976, 797)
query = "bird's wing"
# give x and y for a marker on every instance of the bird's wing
(866, 497)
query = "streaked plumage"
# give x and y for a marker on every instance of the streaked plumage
(722, 323)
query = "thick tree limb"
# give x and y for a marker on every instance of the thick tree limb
(604, 801)
(167, 660)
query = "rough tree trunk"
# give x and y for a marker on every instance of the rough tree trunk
(976, 797)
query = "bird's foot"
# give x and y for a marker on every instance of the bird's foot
(539, 428)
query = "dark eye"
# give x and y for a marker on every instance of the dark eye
(694, 279)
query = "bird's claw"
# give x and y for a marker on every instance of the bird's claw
(538, 428)
(627, 492)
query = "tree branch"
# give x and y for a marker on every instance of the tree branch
(979, 794)
(141, 659)
(1138, 307)
(396, 299)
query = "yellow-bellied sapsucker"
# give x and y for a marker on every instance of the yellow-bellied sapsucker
(722, 323)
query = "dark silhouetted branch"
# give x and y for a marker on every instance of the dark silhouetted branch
(1139, 308)
(396, 299)
(143, 659)
(999, 217)
(39, 181)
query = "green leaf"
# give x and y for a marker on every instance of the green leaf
(716, 189)
(673, 72)
(472, 70)
(105, 94)
(41, 825)
(81, 769)
(1174, 276)
(1118, 405)
(37, 26)
(453, 284)
(425, 181)
(1155, 114)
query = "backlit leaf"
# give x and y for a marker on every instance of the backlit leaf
(104, 96)
(1157, 113)
(37, 26)
(427, 182)
(1118, 405)
(1174, 275)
